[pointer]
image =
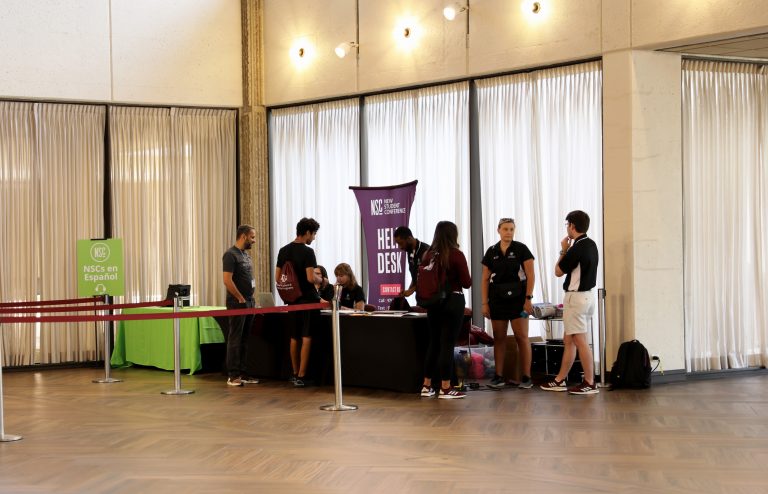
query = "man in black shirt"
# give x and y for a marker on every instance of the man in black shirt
(303, 259)
(578, 262)
(238, 279)
(415, 250)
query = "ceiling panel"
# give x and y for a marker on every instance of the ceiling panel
(753, 47)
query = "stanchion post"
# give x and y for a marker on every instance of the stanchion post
(108, 328)
(4, 438)
(601, 335)
(177, 353)
(338, 405)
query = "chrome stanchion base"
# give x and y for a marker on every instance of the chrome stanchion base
(339, 408)
(6, 438)
(178, 392)
(107, 380)
(601, 385)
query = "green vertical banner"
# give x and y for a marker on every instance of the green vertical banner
(100, 267)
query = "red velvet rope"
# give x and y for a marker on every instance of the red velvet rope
(162, 315)
(85, 308)
(33, 303)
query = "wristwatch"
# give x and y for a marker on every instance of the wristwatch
(529, 297)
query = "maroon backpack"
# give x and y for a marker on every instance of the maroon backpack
(288, 284)
(431, 287)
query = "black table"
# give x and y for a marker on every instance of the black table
(377, 351)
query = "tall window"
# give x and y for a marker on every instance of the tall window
(173, 198)
(52, 162)
(314, 158)
(725, 190)
(424, 135)
(540, 147)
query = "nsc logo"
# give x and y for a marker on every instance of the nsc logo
(377, 207)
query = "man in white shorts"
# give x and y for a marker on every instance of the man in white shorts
(578, 262)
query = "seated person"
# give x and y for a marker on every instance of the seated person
(352, 296)
(324, 288)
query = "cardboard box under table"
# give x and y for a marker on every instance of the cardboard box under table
(150, 341)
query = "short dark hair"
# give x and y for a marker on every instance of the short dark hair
(306, 225)
(403, 232)
(323, 271)
(244, 230)
(579, 220)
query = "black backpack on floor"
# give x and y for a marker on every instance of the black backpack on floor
(632, 368)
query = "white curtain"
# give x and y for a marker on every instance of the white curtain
(19, 199)
(52, 161)
(205, 146)
(540, 147)
(173, 198)
(70, 142)
(725, 190)
(423, 135)
(314, 158)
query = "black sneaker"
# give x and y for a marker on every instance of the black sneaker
(299, 382)
(497, 382)
(249, 380)
(526, 383)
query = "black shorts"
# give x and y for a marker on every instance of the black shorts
(305, 320)
(508, 309)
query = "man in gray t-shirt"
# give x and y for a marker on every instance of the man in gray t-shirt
(240, 284)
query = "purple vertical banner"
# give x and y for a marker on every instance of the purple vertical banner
(383, 209)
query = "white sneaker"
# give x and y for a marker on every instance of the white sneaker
(427, 392)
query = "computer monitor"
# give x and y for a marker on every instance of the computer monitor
(181, 290)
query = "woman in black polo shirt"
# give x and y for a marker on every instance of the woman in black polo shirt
(324, 288)
(352, 296)
(507, 292)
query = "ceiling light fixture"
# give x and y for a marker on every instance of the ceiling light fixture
(343, 49)
(452, 10)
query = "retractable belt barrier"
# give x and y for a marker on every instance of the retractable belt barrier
(169, 315)
(53, 302)
(84, 308)
(178, 313)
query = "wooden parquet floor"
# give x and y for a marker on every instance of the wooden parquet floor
(80, 437)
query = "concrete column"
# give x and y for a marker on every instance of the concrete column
(254, 161)
(643, 203)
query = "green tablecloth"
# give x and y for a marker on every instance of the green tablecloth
(150, 342)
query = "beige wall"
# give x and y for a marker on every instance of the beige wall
(664, 23)
(180, 52)
(497, 36)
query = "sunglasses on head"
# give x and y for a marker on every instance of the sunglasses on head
(506, 220)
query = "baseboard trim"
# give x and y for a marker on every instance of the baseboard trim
(62, 365)
(680, 375)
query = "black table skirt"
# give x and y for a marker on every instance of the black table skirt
(376, 351)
